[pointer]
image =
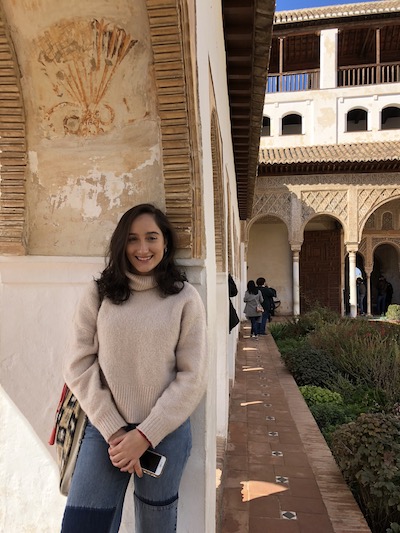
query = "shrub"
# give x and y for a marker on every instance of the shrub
(278, 330)
(313, 320)
(393, 312)
(316, 395)
(310, 366)
(368, 453)
(365, 353)
(329, 416)
(364, 399)
(290, 345)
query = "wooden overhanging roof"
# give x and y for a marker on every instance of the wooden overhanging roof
(335, 158)
(380, 8)
(247, 30)
(356, 23)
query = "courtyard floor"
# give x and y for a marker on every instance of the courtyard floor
(277, 475)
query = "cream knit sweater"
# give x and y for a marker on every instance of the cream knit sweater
(143, 361)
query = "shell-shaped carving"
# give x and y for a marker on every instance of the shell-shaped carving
(80, 58)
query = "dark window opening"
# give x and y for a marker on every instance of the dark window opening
(266, 127)
(390, 118)
(292, 124)
(357, 120)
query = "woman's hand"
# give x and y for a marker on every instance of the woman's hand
(126, 449)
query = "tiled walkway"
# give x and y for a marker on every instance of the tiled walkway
(278, 474)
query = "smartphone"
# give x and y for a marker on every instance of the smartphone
(152, 463)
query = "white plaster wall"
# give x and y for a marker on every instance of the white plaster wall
(38, 298)
(222, 356)
(269, 256)
(39, 294)
(324, 115)
(211, 59)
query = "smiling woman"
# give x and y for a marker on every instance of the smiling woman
(137, 392)
(146, 245)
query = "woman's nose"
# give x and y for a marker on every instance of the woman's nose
(143, 246)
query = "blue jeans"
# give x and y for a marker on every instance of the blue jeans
(97, 492)
(255, 324)
(264, 320)
(381, 304)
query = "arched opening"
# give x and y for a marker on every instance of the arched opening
(292, 124)
(266, 127)
(269, 256)
(390, 118)
(386, 270)
(361, 277)
(357, 120)
(320, 264)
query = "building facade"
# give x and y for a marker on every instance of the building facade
(327, 198)
(104, 105)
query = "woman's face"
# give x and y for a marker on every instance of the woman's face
(146, 245)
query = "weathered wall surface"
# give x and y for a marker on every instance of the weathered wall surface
(91, 119)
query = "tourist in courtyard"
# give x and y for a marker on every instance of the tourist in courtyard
(382, 290)
(268, 302)
(137, 364)
(253, 308)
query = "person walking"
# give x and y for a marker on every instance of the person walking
(253, 308)
(268, 300)
(137, 365)
(361, 294)
(382, 289)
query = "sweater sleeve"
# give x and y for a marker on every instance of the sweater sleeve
(184, 393)
(82, 371)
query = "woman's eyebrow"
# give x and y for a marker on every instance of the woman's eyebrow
(147, 233)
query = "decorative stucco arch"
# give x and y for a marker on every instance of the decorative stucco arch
(12, 149)
(218, 187)
(261, 216)
(326, 214)
(177, 105)
(371, 200)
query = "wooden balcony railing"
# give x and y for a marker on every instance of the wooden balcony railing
(368, 74)
(351, 76)
(304, 80)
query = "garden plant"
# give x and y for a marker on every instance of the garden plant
(348, 371)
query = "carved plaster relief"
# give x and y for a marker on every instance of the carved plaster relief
(80, 59)
(369, 199)
(314, 202)
(376, 241)
(380, 179)
(278, 204)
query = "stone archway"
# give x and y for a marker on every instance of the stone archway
(12, 150)
(170, 39)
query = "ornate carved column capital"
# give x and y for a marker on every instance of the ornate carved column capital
(351, 247)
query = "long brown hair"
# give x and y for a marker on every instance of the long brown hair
(113, 282)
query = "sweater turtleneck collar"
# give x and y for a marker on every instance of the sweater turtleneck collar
(141, 283)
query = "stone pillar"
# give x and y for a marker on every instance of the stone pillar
(369, 291)
(328, 61)
(296, 279)
(352, 281)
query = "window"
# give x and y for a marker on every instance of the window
(266, 127)
(390, 119)
(357, 120)
(292, 124)
(387, 220)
